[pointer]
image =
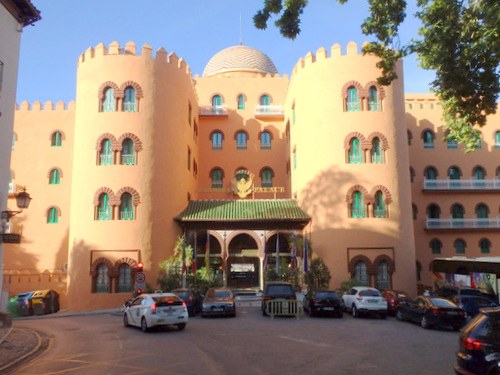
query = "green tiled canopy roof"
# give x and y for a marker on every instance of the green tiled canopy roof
(244, 210)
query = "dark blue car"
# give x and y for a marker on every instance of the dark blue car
(472, 304)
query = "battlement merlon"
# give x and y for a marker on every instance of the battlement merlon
(131, 50)
(47, 106)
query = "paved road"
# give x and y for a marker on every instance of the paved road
(247, 344)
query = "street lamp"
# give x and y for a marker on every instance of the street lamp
(23, 200)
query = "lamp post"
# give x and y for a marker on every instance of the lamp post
(23, 200)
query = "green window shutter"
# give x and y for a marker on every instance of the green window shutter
(355, 155)
(128, 152)
(353, 103)
(373, 102)
(56, 140)
(460, 247)
(479, 173)
(241, 102)
(485, 246)
(54, 177)
(126, 207)
(265, 100)
(267, 178)
(104, 209)
(130, 100)
(109, 103)
(217, 141)
(216, 178)
(428, 139)
(241, 141)
(430, 173)
(106, 155)
(265, 141)
(357, 207)
(482, 211)
(436, 246)
(380, 209)
(53, 216)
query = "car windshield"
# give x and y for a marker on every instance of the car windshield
(369, 293)
(182, 294)
(219, 293)
(442, 302)
(280, 289)
(326, 295)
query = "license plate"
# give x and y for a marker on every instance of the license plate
(452, 313)
(329, 308)
(217, 309)
(372, 301)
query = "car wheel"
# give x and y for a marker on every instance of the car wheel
(399, 315)
(424, 322)
(181, 326)
(355, 312)
(144, 325)
(125, 320)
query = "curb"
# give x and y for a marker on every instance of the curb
(2, 339)
(23, 357)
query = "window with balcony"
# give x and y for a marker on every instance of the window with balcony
(124, 279)
(482, 212)
(433, 211)
(126, 207)
(216, 141)
(353, 103)
(497, 139)
(54, 177)
(216, 176)
(360, 272)
(102, 280)
(436, 246)
(106, 155)
(428, 137)
(430, 173)
(267, 178)
(217, 104)
(265, 103)
(104, 208)
(373, 100)
(383, 279)
(130, 100)
(376, 152)
(454, 174)
(265, 140)
(357, 205)
(109, 102)
(241, 102)
(355, 153)
(56, 139)
(485, 245)
(241, 141)
(379, 208)
(451, 143)
(128, 152)
(457, 211)
(53, 215)
(460, 246)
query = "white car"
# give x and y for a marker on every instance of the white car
(364, 300)
(158, 309)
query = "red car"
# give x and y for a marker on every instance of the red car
(394, 298)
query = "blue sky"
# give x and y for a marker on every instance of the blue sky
(193, 29)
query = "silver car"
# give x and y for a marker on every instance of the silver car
(364, 300)
(159, 309)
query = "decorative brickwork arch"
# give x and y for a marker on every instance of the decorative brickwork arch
(127, 189)
(385, 191)
(116, 91)
(131, 262)
(380, 89)
(355, 84)
(383, 140)
(391, 266)
(370, 269)
(355, 188)
(241, 131)
(112, 271)
(114, 144)
(56, 168)
(216, 131)
(133, 137)
(63, 136)
(214, 168)
(268, 131)
(139, 94)
(262, 170)
(361, 137)
(106, 190)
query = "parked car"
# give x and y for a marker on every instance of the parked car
(277, 290)
(323, 302)
(219, 301)
(361, 300)
(452, 293)
(149, 310)
(472, 304)
(394, 298)
(479, 345)
(193, 299)
(432, 311)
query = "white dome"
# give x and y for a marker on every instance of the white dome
(240, 59)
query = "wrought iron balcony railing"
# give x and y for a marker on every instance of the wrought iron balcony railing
(491, 184)
(472, 223)
(213, 110)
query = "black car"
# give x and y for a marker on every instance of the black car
(193, 299)
(479, 345)
(218, 301)
(472, 304)
(323, 302)
(432, 311)
(277, 290)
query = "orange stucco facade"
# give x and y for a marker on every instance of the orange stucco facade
(294, 133)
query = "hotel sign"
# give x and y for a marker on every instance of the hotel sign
(11, 238)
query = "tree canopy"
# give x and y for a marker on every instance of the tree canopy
(459, 40)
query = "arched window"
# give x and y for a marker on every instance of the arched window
(436, 246)
(104, 209)
(383, 279)
(355, 154)
(373, 102)
(457, 211)
(454, 174)
(497, 139)
(216, 178)
(241, 102)
(106, 155)
(265, 100)
(130, 100)
(55, 178)
(265, 140)
(379, 209)
(485, 245)
(216, 141)
(56, 139)
(267, 178)
(460, 246)
(376, 152)
(102, 279)
(479, 173)
(430, 173)
(241, 141)
(216, 104)
(482, 216)
(128, 152)
(124, 279)
(53, 215)
(126, 207)
(433, 212)
(353, 103)
(109, 102)
(357, 205)
(360, 272)
(451, 143)
(428, 139)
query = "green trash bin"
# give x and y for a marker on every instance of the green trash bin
(13, 306)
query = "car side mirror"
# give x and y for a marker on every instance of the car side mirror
(127, 303)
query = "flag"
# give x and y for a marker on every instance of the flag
(207, 254)
(183, 255)
(265, 257)
(277, 256)
(225, 256)
(305, 255)
(293, 255)
(193, 261)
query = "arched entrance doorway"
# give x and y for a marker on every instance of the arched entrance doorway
(283, 242)
(243, 263)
